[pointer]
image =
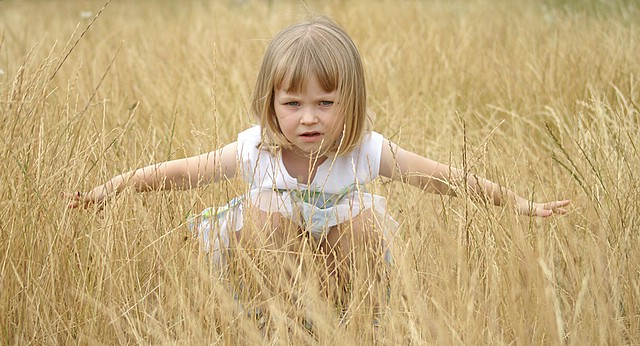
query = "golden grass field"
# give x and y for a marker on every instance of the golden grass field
(541, 97)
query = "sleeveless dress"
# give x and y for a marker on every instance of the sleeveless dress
(336, 194)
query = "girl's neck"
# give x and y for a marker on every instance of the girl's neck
(301, 166)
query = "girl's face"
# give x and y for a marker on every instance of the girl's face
(308, 118)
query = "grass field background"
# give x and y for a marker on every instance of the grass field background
(540, 96)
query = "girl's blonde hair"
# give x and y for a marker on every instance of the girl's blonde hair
(322, 48)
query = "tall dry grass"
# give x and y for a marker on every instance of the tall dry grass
(542, 97)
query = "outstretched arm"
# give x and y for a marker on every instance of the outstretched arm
(177, 174)
(399, 164)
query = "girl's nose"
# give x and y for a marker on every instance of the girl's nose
(308, 117)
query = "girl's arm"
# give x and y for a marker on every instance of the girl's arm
(399, 164)
(177, 174)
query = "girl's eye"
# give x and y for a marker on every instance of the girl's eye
(326, 103)
(292, 104)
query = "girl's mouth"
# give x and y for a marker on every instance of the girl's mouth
(310, 136)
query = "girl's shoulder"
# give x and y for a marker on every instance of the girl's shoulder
(250, 138)
(373, 136)
(250, 134)
(371, 142)
(249, 144)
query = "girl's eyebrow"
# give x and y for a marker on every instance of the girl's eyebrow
(286, 94)
(285, 91)
(297, 96)
(289, 93)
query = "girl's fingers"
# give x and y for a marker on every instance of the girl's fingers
(559, 204)
(547, 209)
(72, 195)
(559, 211)
(555, 207)
(76, 199)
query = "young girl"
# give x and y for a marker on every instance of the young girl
(309, 158)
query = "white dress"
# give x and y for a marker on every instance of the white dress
(335, 195)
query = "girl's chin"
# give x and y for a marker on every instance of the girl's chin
(307, 150)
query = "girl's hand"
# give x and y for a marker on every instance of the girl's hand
(84, 199)
(543, 209)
